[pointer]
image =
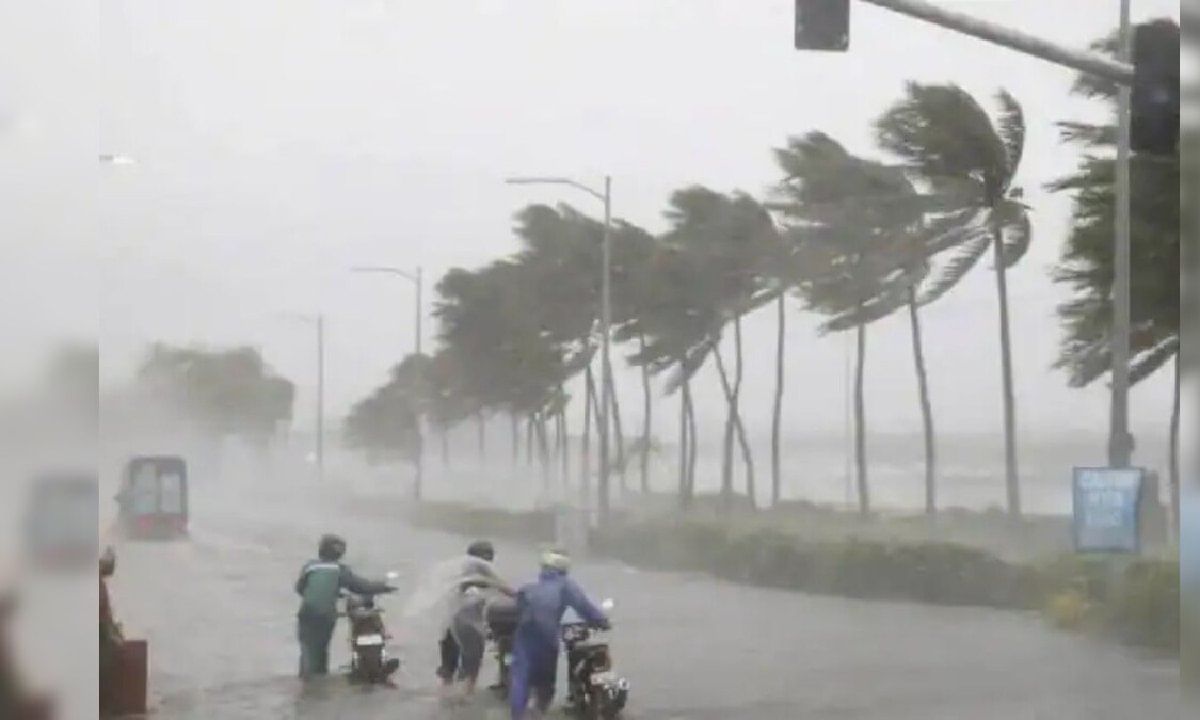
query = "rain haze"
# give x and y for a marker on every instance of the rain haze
(254, 152)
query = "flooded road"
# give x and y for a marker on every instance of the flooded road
(218, 612)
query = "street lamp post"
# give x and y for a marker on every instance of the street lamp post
(416, 278)
(318, 321)
(602, 415)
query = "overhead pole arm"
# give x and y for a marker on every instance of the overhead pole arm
(1081, 60)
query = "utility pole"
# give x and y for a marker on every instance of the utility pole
(605, 360)
(416, 278)
(606, 389)
(1120, 441)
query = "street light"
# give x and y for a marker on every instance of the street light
(605, 197)
(415, 278)
(318, 321)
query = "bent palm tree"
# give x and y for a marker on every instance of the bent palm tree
(946, 137)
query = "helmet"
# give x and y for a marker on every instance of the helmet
(482, 549)
(556, 559)
(108, 562)
(331, 548)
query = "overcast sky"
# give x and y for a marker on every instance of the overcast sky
(279, 142)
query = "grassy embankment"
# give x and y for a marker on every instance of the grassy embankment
(963, 558)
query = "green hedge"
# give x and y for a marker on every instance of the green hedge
(533, 526)
(1137, 603)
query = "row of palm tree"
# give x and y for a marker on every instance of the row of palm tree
(853, 239)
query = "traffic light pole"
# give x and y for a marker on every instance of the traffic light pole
(1120, 440)
(1088, 62)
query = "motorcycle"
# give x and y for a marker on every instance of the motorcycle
(501, 619)
(594, 690)
(370, 662)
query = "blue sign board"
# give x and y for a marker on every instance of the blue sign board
(1107, 508)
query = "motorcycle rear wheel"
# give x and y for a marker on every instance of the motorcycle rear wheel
(368, 664)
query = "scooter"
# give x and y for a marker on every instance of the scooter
(594, 690)
(370, 662)
(501, 618)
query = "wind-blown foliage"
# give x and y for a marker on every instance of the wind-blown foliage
(952, 144)
(225, 392)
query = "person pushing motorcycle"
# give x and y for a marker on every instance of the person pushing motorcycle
(540, 606)
(319, 585)
(462, 644)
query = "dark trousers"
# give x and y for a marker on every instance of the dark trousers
(314, 634)
(450, 654)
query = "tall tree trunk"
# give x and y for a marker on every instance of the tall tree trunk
(743, 443)
(693, 443)
(543, 445)
(647, 407)
(585, 446)
(1011, 477)
(1173, 461)
(777, 406)
(683, 447)
(733, 430)
(530, 428)
(914, 321)
(727, 437)
(516, 438)
(565, 451)
(481, 427)
(860, 424)
(618, 434)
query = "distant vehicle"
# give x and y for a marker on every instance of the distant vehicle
(62, 525)
(153, 501)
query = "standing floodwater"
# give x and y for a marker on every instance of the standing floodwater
(219, 614)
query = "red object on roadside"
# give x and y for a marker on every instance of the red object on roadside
(131, 678)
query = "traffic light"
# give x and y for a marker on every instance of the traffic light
(822, 25)
(1154, 116)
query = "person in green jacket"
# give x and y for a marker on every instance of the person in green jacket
(319, 586)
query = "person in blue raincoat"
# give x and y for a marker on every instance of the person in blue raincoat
(540, 608)
(319, 586)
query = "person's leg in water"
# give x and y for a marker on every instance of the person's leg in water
(518, 677)
(534, 672)
(470, 641)
(315, 634)
(450, 658)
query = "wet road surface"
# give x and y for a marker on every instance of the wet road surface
(218, 612)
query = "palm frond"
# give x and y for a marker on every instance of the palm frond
(1016, 232)
(1011, 128)
(957, 266)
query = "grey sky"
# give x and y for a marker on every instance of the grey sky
(279, 142)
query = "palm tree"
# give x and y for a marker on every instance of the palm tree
(863, 246)
(675, 324)
(948, 140)
(730, 235)
(1086, 265)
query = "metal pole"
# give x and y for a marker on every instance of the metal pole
(1120, 442)
(417, 323)
(605, 364)
(321, 397)
(1092, 63)
(420, 459)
